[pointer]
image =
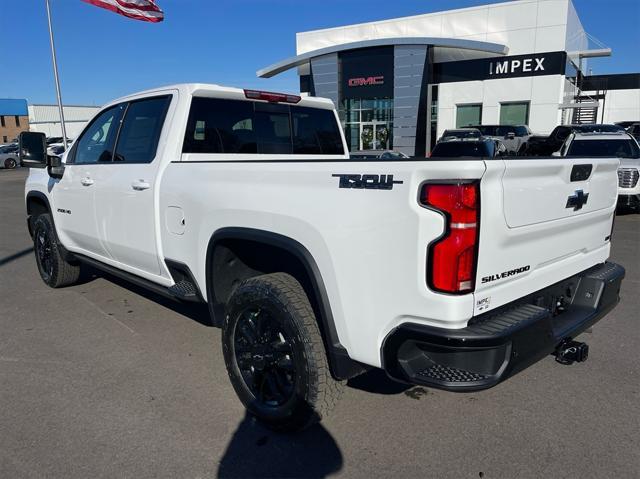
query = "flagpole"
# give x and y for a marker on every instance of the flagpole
(55, 75)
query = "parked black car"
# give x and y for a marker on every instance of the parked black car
(481, 147)
(460, 134)
(545, 145)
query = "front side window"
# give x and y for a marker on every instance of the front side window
(97, 141)
(236, 126)
(141, 128)
(467, 115)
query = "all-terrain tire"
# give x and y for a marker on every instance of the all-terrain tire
(273, 311)
(54, 270)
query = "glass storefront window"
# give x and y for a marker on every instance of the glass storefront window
(368, 123)
(514, 113)
(467, 115)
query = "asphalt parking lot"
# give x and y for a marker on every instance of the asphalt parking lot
(104, 379)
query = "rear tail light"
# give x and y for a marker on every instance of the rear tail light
(271, 96)
(453, 258)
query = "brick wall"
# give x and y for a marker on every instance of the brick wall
(11, 126)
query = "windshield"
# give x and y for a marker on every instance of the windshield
(461, 134)
(623, 148)
(592, 128)
(459, 148)
(495, 130)
(8, 148)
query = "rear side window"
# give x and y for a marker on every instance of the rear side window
(140, 131)
(315, 132)
(626, 148)
(236, 126)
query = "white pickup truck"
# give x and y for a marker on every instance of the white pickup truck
(449, 273)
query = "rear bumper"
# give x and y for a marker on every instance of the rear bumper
(628, 200)
(501, 343)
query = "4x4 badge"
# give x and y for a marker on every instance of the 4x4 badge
(578, 200)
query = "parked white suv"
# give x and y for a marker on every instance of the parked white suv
(453, 273)
(618, 145)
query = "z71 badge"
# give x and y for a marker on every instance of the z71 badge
(369, 182)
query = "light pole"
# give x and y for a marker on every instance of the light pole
(55, 75)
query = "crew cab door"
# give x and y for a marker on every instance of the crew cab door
(125, 200)
(73, 196)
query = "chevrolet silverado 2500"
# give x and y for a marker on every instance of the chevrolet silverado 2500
(454, 273)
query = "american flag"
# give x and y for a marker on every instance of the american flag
(145, 10)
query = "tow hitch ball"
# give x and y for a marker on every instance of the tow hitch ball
(569, 351)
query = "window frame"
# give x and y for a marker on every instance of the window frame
(216, 156)
(471, 104)
(168, 96)
(511, 103)
(71, 157)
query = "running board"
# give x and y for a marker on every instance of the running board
(184, 289)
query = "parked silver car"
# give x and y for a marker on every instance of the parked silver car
(9, 156)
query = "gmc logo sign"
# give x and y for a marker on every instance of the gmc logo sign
(378, 80)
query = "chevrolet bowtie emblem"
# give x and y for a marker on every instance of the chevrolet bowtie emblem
(577, 200)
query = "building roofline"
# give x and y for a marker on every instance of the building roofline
(303, 58)
(493, 4)
(56, 105)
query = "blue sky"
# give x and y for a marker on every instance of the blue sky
(102, 55)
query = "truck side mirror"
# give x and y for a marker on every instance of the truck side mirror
(55, 167)
(511, 135)
(32, 149)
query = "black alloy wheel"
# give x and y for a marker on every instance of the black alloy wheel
(264, 356)
(44, 254)
(275, 355)
(55, 269)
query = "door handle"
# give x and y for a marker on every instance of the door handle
(86, 181)
(140, 185)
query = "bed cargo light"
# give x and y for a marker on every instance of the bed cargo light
(271, 96)
(452, 259)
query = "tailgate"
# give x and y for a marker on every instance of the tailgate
(542, 220)
(539, 191)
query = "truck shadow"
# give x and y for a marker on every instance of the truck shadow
(255, 451)
(377, 382)
(198, 312)
(373, 381)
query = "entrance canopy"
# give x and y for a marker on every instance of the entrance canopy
(455, 48)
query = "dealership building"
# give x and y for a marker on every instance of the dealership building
(399, 83)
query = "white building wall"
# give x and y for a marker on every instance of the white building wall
(544, 92)
(525, 26)
(622, 105)
(46, 119)
(618, 105)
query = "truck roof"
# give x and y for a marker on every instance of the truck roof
(613, 135)
(219, 91)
